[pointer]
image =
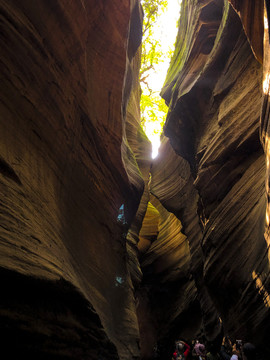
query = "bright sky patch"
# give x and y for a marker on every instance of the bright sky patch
(154, 111)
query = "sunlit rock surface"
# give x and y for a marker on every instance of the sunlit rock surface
(167, 296)
(138, 154)
(265, 129)
(251, 15)
(150, 228)
(172, 184)
(100, 259)
(67, 190)
(214, 89)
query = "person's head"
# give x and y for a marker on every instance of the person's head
(180, 347)
(235, 350)
(249, 351)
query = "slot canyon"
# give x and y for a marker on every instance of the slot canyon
(107, 253)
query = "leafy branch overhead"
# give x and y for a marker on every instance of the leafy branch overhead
(153, 108)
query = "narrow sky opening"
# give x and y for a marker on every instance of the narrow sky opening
(158, 45)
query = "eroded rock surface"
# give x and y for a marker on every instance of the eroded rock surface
(167, 297)
(100, 259)
(214, 89)
(63, 74)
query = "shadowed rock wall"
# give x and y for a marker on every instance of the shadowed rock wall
(167, 298)
(64, 92)
(214, 92)
(90, 268)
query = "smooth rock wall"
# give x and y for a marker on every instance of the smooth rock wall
(172, 183)
(214, 89)
(63, 176)
(167, 297)
(137, 155)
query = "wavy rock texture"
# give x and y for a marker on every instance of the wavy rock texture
(172, 184)
(98, 262)
(213, 126)
(64, 93)
(166, 283)
(138, 148)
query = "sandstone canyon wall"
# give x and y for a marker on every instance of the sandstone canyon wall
(103, 254)
(67, 289)
(214, 92)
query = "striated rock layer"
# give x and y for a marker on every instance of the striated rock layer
(172, 183)
(166, 282)
(68, 187)
(214, 92)
(98, 258)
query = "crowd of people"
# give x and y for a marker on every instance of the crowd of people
(227, 351)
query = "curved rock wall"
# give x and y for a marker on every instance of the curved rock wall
(265, 118)
(66, 193)
(137, 151)
(93, 266)
(167, 297)
(251, 15)
(172, 184)
(214, 89)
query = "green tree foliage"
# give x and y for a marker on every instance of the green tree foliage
(153, 108)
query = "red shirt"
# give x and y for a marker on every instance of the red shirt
(186, 352)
